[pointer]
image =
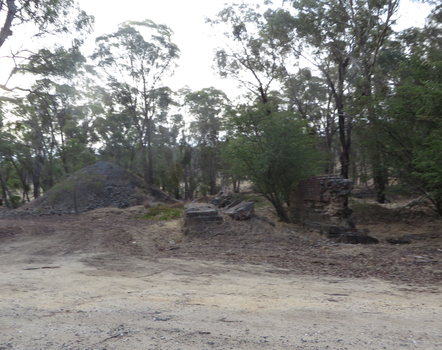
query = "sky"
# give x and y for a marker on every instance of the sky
(195, 38)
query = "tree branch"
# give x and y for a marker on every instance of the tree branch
(5, 32)
(4, 87)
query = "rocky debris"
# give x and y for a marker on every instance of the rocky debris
(409, 238)
(322, 199)
(398, 240)
(100, 185)
(223, 198)
(216, 201)
(320, 203)
(365, 192)
(197, 216)
(232, 204)
(242, 211)
(356, 238)
(264, 219)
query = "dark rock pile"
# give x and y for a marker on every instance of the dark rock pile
(100, 185)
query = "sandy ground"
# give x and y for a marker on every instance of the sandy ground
(61, 289)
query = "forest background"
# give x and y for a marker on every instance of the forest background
(367, 105)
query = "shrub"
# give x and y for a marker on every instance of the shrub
(163, 213)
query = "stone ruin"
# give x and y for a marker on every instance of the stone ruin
(321, 203)
(198, 215)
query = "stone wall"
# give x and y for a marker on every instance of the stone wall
(320, 202)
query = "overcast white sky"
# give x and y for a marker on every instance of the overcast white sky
(193, 36)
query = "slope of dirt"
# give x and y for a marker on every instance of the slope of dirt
(105, 280)
(99, 185)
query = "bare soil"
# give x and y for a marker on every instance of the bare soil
(105, 280)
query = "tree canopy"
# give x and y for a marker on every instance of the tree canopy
(328, 87)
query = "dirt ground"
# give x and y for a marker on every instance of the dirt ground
(103, 280)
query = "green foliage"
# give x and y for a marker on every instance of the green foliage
(163, 213)
(15, 201)
(43, 17)
(258, 44)
(428, 167)
(204, 190)
(55, 63)
(272, 149)
(411, 127)
(206, 107)
(60, 190)
(135, 60)
(259, 200)
(374, 97)
(176, 173)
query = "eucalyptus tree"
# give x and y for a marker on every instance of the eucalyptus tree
(54, 119)
(5, 152)
(117, 139)
(206, 106)
(34, 19)
(266, 142)
(54, 69)
(411, 125)
(55, 131)
(310, 96)
(135, 60)
(258, 43)
(343, 40)
(274, 151)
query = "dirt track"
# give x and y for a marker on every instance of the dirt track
(102, 281)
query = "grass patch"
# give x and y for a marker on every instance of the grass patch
(260, 201)
(162, 213)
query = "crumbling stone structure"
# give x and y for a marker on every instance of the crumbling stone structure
(320, 202)
(198, 216)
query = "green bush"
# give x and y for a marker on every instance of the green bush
(15, 201)
(259, 200)
(162, 213)
(272, 149)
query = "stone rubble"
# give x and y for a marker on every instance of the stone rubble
(197, 216)
(242, 211)
(320, 202)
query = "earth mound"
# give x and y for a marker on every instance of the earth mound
(100, 185)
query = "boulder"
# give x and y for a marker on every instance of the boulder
(242, 211)
(399, 240)
(198, 217)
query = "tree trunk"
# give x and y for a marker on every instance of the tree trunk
(22, 178)
(213, 175)
(6, 194)
(376, 160)
(345, 140)
(280, 211)
(144, 162)
(344, 123)
(378, 176)
(6, 30)
(186, 184)
(36, 182)
(150, 164)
